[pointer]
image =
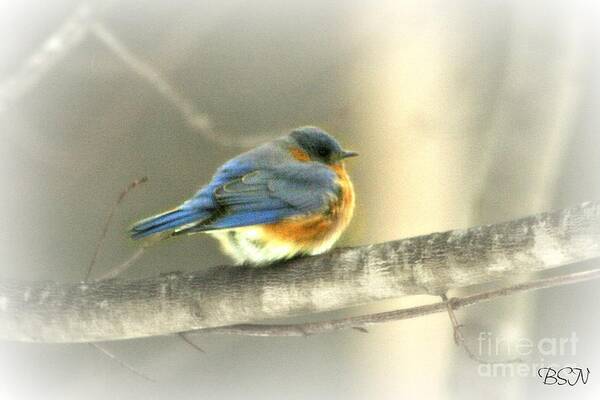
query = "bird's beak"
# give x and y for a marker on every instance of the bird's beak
(348, 154)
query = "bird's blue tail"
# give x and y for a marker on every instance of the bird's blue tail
(166, 221)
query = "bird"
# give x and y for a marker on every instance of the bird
(286, 198)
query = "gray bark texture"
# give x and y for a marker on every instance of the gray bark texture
(225, 295)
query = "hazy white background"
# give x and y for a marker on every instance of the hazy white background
(464, 112)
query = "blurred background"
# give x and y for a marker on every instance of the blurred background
(464, 113)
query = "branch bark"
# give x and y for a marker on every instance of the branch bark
(361, 322)
(176, 302)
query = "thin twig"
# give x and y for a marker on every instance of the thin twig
(121, 268)
(68, 36)
(121, 362)
(107, 222)
(313, 328)
(72, 31)
(194, 119)
(459, 338)
(186, 339)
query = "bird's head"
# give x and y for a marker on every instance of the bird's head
(319, 145)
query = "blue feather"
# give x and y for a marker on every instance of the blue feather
(166, 221)
(246, 218)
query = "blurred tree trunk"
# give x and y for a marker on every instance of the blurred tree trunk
(425, 85)
(525, 143)
(463, 109)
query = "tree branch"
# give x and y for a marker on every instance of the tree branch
(430, 264)
(361, 322)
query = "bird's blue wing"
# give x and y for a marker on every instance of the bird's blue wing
(242, 194)
(270, 194)
(204, 199)
(197, 210)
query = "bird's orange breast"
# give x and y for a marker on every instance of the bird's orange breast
(321, 228)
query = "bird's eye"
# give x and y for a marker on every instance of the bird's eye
(323, 152)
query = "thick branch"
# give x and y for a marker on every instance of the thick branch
(430, 264)
(361, 322)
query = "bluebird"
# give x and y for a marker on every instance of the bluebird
(288, 197)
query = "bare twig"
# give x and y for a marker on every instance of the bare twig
(121, 362)
(71, 33)
(136, 255)
(361, 322)
(68, 36)
(460, 341)
(185, 338)
(112, 273)
(178, 302)
(121, 268)
(194, 119)
(111, 214)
